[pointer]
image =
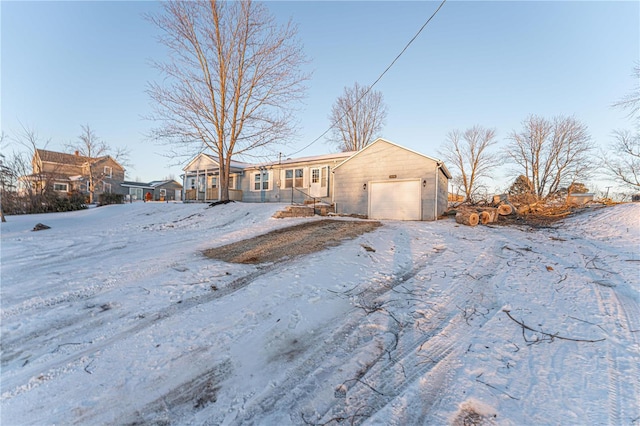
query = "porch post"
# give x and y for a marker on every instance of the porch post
(206, 178)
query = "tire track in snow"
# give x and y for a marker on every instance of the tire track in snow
(618, 360)
(607, 286)
(430, 353)
(319, 373)
(64, 363)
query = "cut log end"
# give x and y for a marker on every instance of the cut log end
(485, 217)
(505, 209)
(467, 218)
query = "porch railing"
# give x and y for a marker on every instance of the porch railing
(306, 196)
(211, 195)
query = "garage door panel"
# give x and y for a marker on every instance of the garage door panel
(399, 200)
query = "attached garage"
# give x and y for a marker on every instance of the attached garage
(388, 181)
(399, 200)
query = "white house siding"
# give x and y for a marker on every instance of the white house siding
(277, 191)
(385, 161)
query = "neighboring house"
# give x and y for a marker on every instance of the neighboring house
(64, 173)
(387, 181)
(159, 190)
(136, 191)
(166, 190)
(381, 181)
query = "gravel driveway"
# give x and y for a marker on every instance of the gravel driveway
(298, 240)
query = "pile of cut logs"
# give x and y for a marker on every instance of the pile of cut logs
(472, 215)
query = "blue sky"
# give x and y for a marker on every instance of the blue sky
(66, 64)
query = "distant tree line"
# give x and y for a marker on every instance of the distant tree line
(547, 157)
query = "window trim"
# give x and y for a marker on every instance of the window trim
(61, 184)
(104, 171)
(291, 182)
(261, 182)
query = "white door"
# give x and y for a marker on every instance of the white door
(398, 200)
(319, 182)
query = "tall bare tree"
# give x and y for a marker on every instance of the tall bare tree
(551, 153)
(232, 77)
(357, 117)
(470, 156)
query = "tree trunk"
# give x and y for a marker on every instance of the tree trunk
(467, 217)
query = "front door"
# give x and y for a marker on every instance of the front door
(319, 182)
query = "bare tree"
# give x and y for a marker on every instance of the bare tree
(34, 182)
(623, 158)
(25, 188)
(469, 155)
(631, 102)
(232, 75)
(551, 153)
(6, 177)
(357, 117)
(93, 151)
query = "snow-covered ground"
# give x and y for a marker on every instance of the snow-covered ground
(113, 316)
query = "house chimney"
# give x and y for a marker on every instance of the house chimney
(77, 153)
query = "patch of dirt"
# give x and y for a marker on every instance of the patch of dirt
(297, 240)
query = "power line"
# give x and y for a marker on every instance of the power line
(375, 82)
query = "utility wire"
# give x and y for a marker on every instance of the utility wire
(375, 82)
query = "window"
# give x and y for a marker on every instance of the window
(315, 175)
(63, 187)
(136, 193)
(293, 178)
(106, 187)
(214, 181)
(107, 171)
(260, 181)
(163, 192)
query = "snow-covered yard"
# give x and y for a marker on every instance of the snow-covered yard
(114, 316)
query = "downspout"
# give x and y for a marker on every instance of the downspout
(184, 186)
(333, 187)
(435, 207)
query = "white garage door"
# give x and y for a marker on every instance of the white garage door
(399, 200)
